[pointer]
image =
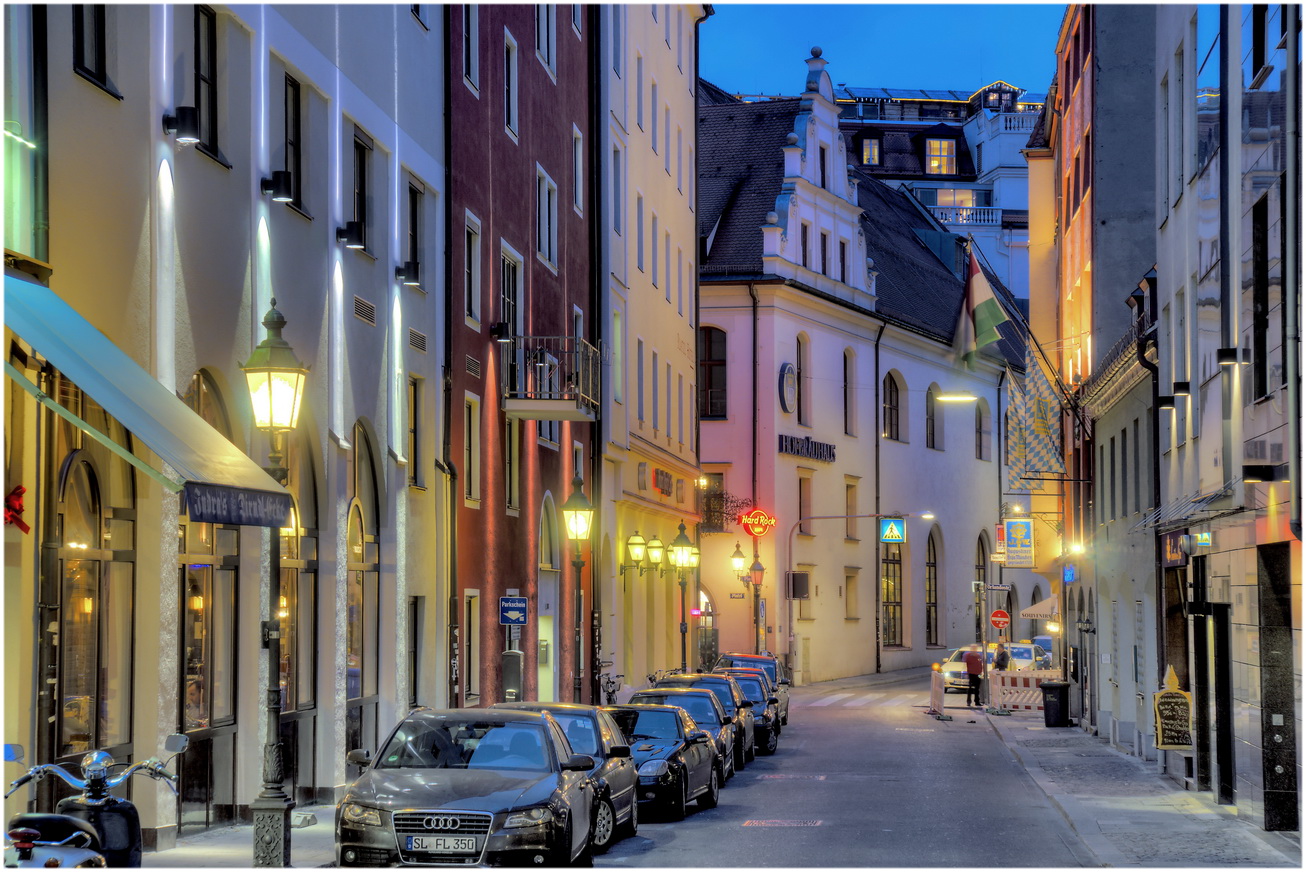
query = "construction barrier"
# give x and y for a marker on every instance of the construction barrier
(1019, 691)
(936, 693)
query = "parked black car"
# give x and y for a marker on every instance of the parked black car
(702, 705)
(732, 700)
(766, 716)
(462, 787)
(677, 760)
(773, 668)
(592, 731)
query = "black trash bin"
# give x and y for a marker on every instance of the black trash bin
(1056, 703)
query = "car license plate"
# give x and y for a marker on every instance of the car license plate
(443, 844)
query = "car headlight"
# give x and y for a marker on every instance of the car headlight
(360, 815)
(529, 817)
(654, 768)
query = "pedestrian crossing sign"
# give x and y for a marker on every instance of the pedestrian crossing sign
(893, 530)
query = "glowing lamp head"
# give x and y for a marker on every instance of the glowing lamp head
(635, 548)
(655, 550)
(577, 512)
(678, 552)
(275, 377)
(737, 560)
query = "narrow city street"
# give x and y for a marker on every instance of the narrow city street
(864, 777)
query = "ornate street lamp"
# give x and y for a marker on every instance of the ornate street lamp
(577, 517)
(655, 550)
(737, 561)
(682, 555)
(275, 377)
(756, 571)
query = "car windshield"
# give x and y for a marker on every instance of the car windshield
(580, 732)
(759, 663)
(721, 690)
(422, 744)
(651, 724)
(752, 688)
(700, 708)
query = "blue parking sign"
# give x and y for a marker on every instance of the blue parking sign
(512, 610)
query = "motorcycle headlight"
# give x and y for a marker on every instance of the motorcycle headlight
(654, 768)
(360, 815)
(529, 817)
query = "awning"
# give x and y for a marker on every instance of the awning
(1181, 511)
(1042, 610)
(221, 484)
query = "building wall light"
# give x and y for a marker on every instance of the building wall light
(185, 124)
(281, 186)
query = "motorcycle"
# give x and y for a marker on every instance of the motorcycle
(93, 829)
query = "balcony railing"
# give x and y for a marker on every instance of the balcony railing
(1019, 122)
(550, 378)
(971, 215)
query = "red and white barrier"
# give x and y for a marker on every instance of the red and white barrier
(1019, 691)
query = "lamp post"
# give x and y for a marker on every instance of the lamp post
(756, 572)
(275, 378)
(577, 516)
(681, 556)
(751, 578)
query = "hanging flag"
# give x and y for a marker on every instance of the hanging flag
(1016, 440)
(1042, 418)
(980, 312)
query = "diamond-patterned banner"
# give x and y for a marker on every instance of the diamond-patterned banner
(1042, 418)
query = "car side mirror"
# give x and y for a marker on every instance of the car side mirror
(619, 751)
(727, 719)
(700, 737)
(359, 757)
(578, 763)
(784, 681)
(746, 704)
(773, 701)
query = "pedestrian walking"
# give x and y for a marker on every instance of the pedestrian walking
(1001, 658)
(974, 661)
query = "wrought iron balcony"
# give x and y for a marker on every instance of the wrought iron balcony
(549, 378)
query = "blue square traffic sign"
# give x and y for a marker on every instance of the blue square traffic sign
(512, 610)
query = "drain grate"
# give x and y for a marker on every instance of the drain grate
(782, 823)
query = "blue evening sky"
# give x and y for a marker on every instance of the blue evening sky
(760, 48)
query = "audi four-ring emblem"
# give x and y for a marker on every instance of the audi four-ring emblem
(440, 823)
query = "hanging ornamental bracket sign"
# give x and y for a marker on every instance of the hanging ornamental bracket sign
(757, 522)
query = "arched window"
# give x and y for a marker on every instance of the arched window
(983, 432)
(891, 595)
(931, 433)
(712, 372)
(891, 428)
(981, 583)
(931, 591)
(363, 608)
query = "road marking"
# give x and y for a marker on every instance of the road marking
(900, 700)
(782, 823)
(912, 730)
(795, 777)
(832, 698)
(869, 698)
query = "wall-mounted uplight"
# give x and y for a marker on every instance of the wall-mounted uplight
(185, 124)
(409, 273)
(500, 331)
(351, 234)
(1165, 402)
(1261, 472)
(1232, 356)
(1181, 389)
(281, 186)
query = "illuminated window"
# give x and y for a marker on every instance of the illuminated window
(940, 157)
(891, 594)
(871, 152)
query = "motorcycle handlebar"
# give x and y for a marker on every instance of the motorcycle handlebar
(36, 773)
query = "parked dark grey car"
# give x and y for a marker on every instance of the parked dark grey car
(460, 787)
(677, 760)
(591, 731)
(702, 705)
(732, 700)
(774, 669)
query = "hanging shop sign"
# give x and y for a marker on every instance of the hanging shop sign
(1019, 535)
(757, 522)
(1174, 715)
(999, 539)
(1172, 549)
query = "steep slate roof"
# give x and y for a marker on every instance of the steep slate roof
(741, 169)
(710, 93)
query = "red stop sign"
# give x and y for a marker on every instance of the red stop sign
(1000, 619)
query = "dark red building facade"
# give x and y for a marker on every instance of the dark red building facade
(523, 375)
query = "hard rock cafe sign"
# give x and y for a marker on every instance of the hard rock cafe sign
(756, 522)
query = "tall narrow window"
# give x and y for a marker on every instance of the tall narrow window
(1124, 473)
(931, 592)
(653, 115)
(666, 262)
(871, 151)
(930, 411)
(639, 91)
(545, 33)
(851, 605)
(618, 204)
(804, 503)
(680, 278)
(618, 14)
(890, 428)
(981, 432)
(510, 84)
(293, 120)
(1138, 472)
(666, 139)
(680, 409)
(510, 276)
(825, 176)
(1111, 482)
(472, 271)
(653, 242)
(1261, 297)
(657, 407)
(891, 595)
(849, 393)
(843, 261)
(471, 449)
(414, 440)
(546, 217)
(680, 158)
(206, 76)
(89, 41)
(850, 510)
(712, 372)
(639, 380)
(825, 253)
(471, 45)
(667, 395)
(803, 244)
(414, 224)
(801, 375)
(512, 463)
(577, 170)
(362, 157)
(639, 231)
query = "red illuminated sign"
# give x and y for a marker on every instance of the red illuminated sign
(756, 522)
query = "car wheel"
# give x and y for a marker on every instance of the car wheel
(785, 720)
(741, 760)
(713, 795)
(631, 826)
(728, 766)
(605, 825)
(679, 799)
(772, 741)
(561, 853)
(752, 750)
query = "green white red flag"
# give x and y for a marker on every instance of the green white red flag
(981, 313)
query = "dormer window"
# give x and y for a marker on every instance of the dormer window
(940, 157)
(871, 151)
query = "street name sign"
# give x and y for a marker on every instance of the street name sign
(512, 610)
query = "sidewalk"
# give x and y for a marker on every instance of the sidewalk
(1127, 813)
(233, 847)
